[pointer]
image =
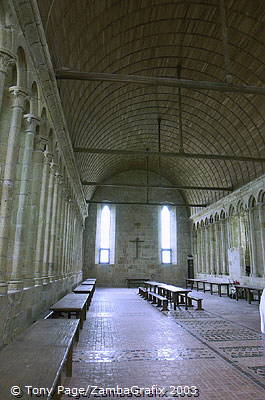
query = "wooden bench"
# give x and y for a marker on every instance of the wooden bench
(159, 300)
(38, 357)
(197, 299)
(71, 304)
(142, 292)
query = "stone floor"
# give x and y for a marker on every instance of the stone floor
(127, 343)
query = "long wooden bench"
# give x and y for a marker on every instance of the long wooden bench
(193, 297)
(159, 300)
(37, 358)
(142, 292)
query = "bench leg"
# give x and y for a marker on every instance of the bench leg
(164, 305)
(199, 305)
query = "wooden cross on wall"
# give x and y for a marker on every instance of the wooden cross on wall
(137, 241)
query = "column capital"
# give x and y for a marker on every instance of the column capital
(31, 122)
(6, 58)
(19, 95)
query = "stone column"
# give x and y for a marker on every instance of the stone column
(20, 270)
(47, 231)
(262, 234)
(218, 248)
(203, 267)
(38, 262)
(18, 99)
(52, 244)
(252, 242)
(65, 236)
(38, 157)
(6, 59)
(207, 249)
(62, 234)
(212, 248)
(57, 247)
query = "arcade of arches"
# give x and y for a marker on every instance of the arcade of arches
(213, 182)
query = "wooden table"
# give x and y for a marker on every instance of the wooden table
(84, 289)
(89, 282)
(71, 304)
(37, 357)
(135, 282)
(196, 281)
(211, 283)
(247, 292)
(172, 293)
(152, 284)
(219, 285)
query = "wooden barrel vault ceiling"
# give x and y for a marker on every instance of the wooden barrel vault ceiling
(214, 41)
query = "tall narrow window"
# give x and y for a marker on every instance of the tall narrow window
(104, 250)
(166, 249)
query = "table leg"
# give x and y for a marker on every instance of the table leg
(249, 296)
(219, 290)
(81, 316)
(203, 284)
(69, 361)
(211, 288)
(227, 290)
(186, 301)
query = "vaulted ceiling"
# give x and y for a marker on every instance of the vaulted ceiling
(153, 38)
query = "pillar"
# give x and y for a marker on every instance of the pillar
(20, 269)
(52, 239)
(38, 262)
(6, 59)
(18, 99)
(47, 231)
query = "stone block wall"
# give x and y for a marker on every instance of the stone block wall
(134, 221)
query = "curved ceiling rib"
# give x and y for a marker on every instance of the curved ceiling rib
(150, 38)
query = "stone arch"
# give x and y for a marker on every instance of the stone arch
(231, 210)
(240, 207)
(34, 99)
(21, 69)
(252, 201)
(51, 141)
(44, 123)
(222, 214)
(27, 106)
(260, 196)
(216, 217)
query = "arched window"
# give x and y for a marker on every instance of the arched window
(104, 250)
(166, 248)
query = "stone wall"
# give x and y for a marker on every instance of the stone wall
(42, 207)
(134, 221)
(19, 309)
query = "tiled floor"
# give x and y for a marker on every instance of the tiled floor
(127, 343)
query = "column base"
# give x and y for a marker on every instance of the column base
(29, 282)
(3, 288)
(37, 281)
(45, 280)
(15, 285)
